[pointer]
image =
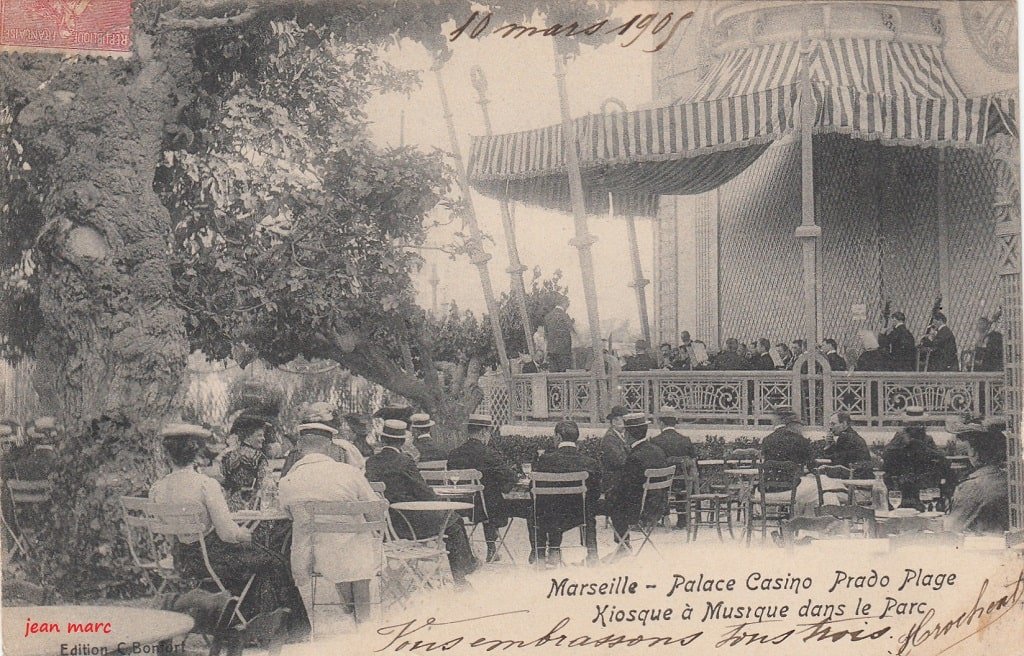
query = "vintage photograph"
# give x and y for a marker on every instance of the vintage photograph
(534, 326)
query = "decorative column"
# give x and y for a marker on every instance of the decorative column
(583, 239)
(1006, 152)
(808, 233)
(639, 283)
(476, 249)
(515, 266)
(942, 225)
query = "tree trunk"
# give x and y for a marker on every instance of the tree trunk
(113, 347)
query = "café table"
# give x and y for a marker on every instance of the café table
(449, 508)
(746, 477)
(127, 626)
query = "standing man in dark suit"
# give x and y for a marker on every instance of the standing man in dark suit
(558, 334)
(988, 354)
(403, 482)
(497, 477)
(626, 498)
(835, 361)
(762, 359)
(614, 449)
(899, 343)
(944, 356)
(558, 514)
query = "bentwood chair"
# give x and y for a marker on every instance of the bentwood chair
(432, 465)
(834, 472)
(545, 488)
(355, 518)
(187, 521)
(151, 559)
(461, 485)
(777, 483)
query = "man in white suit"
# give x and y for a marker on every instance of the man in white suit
(350, 561)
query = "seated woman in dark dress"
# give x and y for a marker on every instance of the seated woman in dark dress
(232, 555)
(244, 468)
(981, 501)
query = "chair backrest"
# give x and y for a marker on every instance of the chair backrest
(779, 476)
(353, 517)
(556, 483)
(659, 478)
(818, 472)
(434, 477)
(742, 457)
(30, 491)
(712, 477)
(178, 520)
(463, 476)
(432, 465)
(141, 545)
(835, 471)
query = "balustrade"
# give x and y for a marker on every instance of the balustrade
(739, 398)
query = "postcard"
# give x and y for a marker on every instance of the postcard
(438, 326)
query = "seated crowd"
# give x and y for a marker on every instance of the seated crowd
(326, 464)
(893, 349)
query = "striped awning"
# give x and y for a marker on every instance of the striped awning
(896, 93)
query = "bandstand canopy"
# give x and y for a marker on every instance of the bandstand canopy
(895, 92)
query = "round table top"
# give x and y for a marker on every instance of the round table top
(742, 471)
(823, 461)
(711, 462)
(451, 490)
(857, 482)
(432, 505)
(127, 625)
(267, 515)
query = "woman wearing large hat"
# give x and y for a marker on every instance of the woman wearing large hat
(229, 546)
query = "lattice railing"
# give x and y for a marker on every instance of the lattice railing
(750, 398)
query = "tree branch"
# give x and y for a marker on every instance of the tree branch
(369, 361)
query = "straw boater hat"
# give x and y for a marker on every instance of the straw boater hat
(963, 427)
(420, 420)
(319, 412)
(634, 419)
(668, 411)
(185, 431)
(394, 429)
(914, 414)
(317, 428)
(480, 421)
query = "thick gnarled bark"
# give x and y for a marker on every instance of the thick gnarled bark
(113, 347)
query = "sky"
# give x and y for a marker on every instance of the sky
(523, 95)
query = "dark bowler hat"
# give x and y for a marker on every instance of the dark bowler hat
(394, 429)
(618, 411)
(480, 421)
(635, 419)
(185, 431)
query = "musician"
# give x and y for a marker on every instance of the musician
(988, 349)
(942, 342)
(872, 358)
(762, 359)
(828, 348)
(899, 343)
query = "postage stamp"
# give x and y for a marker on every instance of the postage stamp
(92, 27)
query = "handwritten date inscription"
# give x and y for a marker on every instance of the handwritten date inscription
(479, 23)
